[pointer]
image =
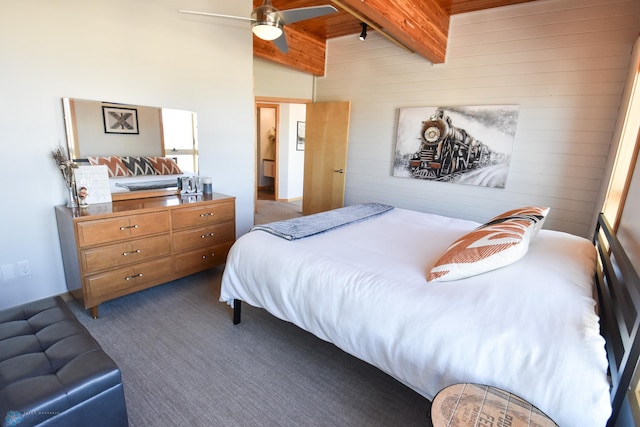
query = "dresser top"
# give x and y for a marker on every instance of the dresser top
(133, 205)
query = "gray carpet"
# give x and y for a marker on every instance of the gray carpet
(184, 363)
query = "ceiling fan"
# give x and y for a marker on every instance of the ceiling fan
(268, 23)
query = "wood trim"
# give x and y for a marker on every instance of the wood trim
(463, 6)
(161, 121)
(143, 194)
(293, 199)
(266, 99)
(73, 127)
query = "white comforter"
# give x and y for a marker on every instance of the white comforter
(529, 328)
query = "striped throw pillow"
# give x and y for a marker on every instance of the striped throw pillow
(498, 243)
(138, 166)
(164, 165)
(534, 213)
(114, 165)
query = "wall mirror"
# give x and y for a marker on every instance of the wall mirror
(99, 128)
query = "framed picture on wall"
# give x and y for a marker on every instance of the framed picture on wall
(120, 120)
(469, 145)
(300, 137)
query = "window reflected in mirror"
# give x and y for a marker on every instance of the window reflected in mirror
(179, 136)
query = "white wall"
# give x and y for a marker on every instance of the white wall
(563, 62)
(139, 52)
(290, 160)
(277, 81)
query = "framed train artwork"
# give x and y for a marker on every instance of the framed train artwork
(464, 145)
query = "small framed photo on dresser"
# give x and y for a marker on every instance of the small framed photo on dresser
(92, 185)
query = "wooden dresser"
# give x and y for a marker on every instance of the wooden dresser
(114, 249)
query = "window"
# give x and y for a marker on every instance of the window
(616, 200)
(628, 143)
(179, 138)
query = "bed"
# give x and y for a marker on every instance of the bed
(530, 328)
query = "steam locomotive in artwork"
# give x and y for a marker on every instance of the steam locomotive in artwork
(446, 150)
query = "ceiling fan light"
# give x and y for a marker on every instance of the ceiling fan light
(267, 30)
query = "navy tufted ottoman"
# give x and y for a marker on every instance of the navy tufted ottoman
(53, 372)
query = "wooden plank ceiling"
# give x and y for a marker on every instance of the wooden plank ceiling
(420, 26)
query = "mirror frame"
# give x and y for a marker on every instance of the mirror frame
(76, 154)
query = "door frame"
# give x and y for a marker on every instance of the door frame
(270, 102)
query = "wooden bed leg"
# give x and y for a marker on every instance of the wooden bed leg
(237, 308)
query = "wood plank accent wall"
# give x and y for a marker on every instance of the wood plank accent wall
(306, 53)
(563, 62)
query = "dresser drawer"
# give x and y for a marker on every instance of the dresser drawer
(125, 253)
(201, 259)
(116, 281)
(211, 213)
(203, 236)
(113, 229)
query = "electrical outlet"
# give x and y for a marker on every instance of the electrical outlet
(8, 272)
(24, 268)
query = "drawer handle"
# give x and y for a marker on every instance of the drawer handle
(129, 226)
(208, 235)
(137, 251)
(133, 277)
(206, 214)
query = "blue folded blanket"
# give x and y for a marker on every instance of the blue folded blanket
(310, 225)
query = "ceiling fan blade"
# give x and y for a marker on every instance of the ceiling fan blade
(217, 15)
(281, 43)
(302, 13)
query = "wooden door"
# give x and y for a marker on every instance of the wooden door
(325, 159)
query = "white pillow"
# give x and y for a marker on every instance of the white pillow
(500, 242)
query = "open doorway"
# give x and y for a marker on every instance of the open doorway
(266, 151)
(279, 159)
